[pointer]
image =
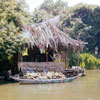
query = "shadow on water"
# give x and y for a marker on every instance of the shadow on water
(3, 82)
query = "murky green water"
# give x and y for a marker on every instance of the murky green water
(84, 88)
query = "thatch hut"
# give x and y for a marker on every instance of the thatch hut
(47, 46)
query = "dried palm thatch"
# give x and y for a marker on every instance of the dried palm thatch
(46, 34)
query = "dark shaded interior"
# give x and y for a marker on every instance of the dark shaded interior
(34, 55)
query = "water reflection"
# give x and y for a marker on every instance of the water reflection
(84, 88)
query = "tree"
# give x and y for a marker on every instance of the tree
(10, 28)
(83, 23)
(13, 17)
(12, 20)
(95, 31)
(54, 8)
(39, 16)
(48, 9)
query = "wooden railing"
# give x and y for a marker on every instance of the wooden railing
(50, 66)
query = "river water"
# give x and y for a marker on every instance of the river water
(84, 88)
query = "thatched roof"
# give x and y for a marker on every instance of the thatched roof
(46, 34)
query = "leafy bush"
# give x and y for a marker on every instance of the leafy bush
(73, 59)
(89, 61)
(98, 63)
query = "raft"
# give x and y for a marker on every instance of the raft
(47, 81)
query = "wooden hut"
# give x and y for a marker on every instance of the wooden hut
(47, 47)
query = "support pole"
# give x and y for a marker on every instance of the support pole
(78, 57)
(66, 59)
(46, 55)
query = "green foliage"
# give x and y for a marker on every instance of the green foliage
(83, 23)
(12, 19)
(73, 59)
(98, 63)
(88, 61)
(54, 8)
(48, 9)
(85, 60)
(39, 16)
(74, 27)
(84, 13)
(90, 17)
